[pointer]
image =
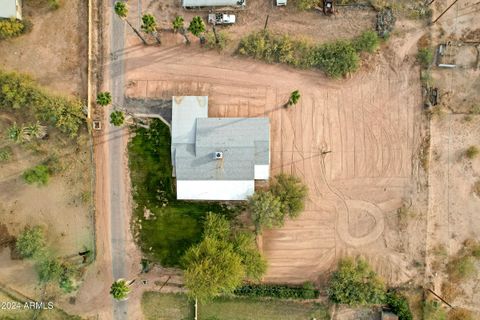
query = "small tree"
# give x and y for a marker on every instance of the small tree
(178, 24)
(266, 210)
(122, 11)
(354, 283)
(38, 174)
(104, 98)
(30, 242)
(117, 118)
(425, 57)
(197, 26)
(149, 26)
(399, 305)
(211, 268)
(291, 192)
(48, 268)
(245, 246)
(120, 289)
(293, 99)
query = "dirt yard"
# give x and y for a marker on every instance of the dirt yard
(368, 125)
(54, 52)
(453, 206)
(55, 56)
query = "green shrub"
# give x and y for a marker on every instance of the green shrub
(5, 154)
(38, 174)
(212, 43)
(291, 192)
(307, 291)
(399, 305)
(307, 4)
(18, 91)
(30, 242)
(266, 210)
(337, 59)
(48, 268)
(432, 310)
(368, 41)
(354, 283)
(425, 57)
(472, 152)
(461, 268)
(10, 28)
(54, 4)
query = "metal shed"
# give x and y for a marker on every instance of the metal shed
(213, 3)
(11, 9)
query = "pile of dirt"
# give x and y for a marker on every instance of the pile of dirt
(385, 22)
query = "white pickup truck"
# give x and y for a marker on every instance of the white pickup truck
(221, 18)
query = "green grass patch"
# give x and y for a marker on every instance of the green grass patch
(166, 306)
(261, 309)
(166, 227)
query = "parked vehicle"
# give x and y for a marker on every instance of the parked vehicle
(281, 3)
(221, 18)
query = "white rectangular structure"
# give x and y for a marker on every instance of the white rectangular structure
(215, 189)
(213, 3)
(262, 171)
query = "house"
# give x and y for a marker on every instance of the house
(213, 3)
(11, 9)
(217, 158)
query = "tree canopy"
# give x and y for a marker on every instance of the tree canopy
(31, 241)
(355, 283)
(178, 23)
(121, 9)
(266, 210)
(220, 262)
(104, 98)
(48, 268)
(291, 192)
(338, 58)
(117, 118)
(119, 289)
(294, 97)
(197, 26)
(149, 23)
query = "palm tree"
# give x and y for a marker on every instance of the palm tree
(197, 26)
(294, 97)
(120, 289)
(104, 98)
(178, 24)
(35, 130)
(149, 26)
(122, 11)
(117, 118)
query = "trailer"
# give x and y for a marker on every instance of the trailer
(196, 4)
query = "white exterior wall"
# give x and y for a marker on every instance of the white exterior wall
(11, 9)
(262, 172)
(215, 189)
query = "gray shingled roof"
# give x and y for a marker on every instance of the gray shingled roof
(244, 142)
